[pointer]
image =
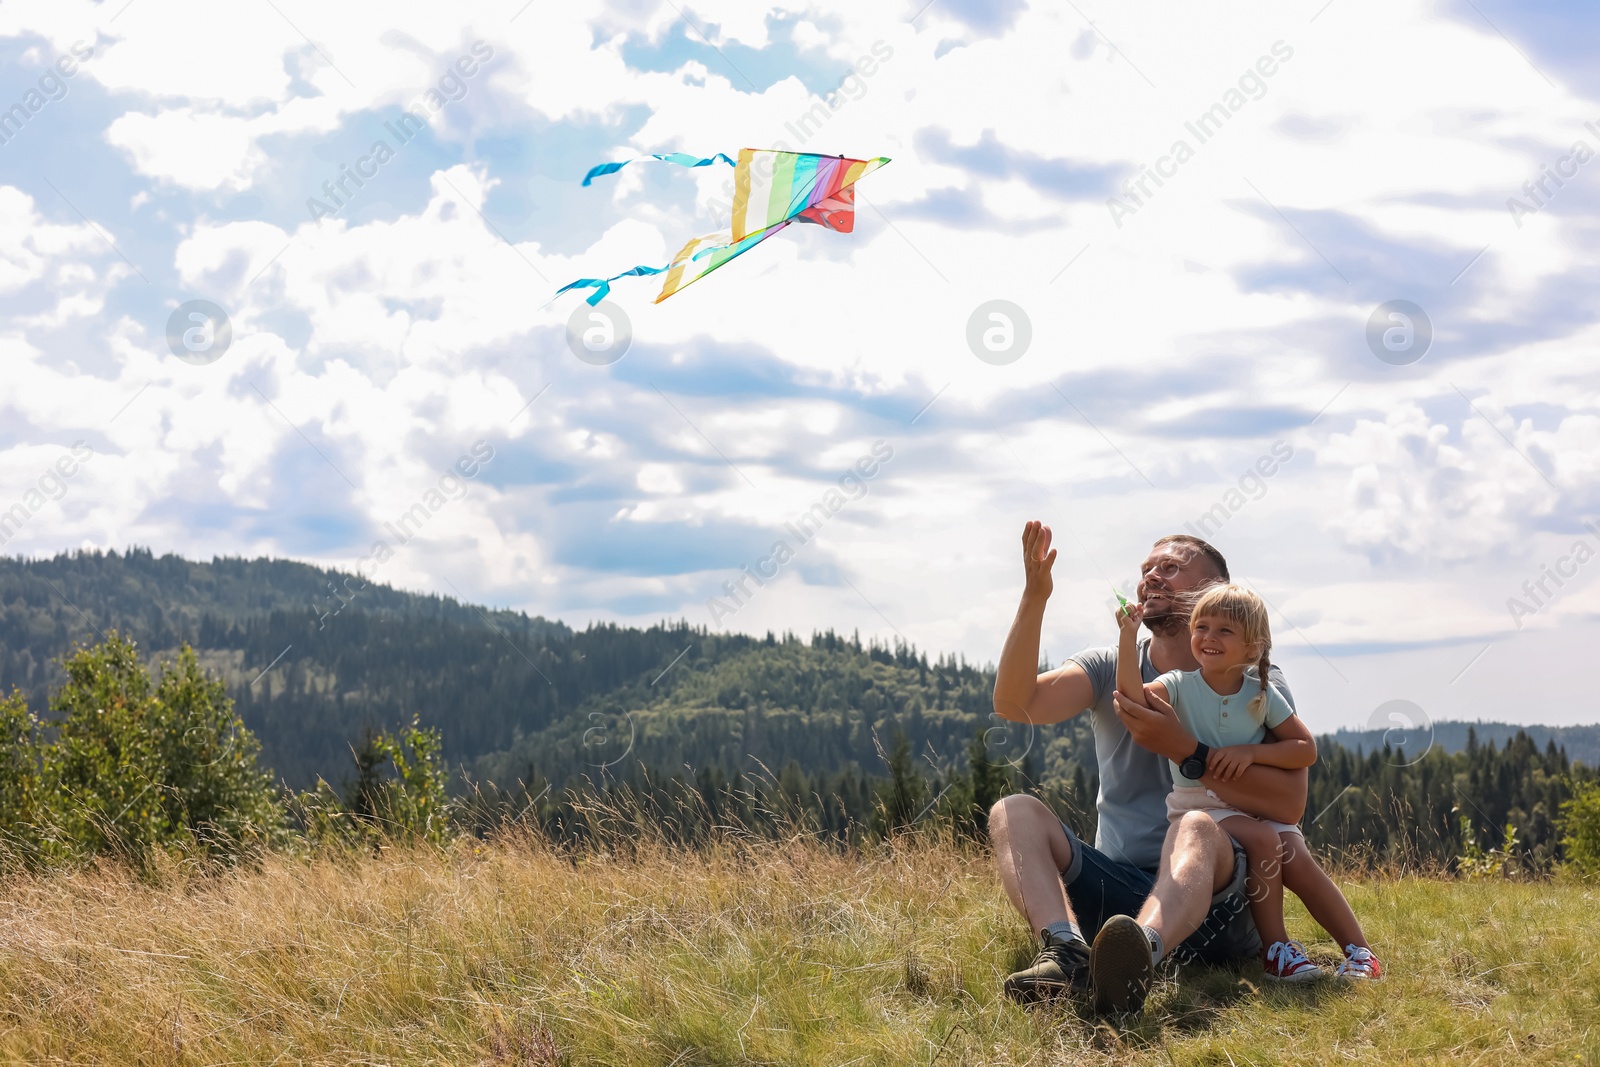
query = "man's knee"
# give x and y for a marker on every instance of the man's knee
(1017, 810)
(1022, 821)
(1199, 842)
(1198, 833)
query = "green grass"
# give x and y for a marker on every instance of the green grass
(518, 954)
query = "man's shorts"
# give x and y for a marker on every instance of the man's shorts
(1099, 887)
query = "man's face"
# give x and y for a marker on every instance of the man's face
(1168, 574)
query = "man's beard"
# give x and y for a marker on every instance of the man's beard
(1174, 620)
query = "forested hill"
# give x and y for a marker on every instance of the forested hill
(515, 697)
(313, 659)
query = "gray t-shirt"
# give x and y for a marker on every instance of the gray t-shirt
(1134, 782)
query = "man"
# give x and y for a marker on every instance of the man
(1146, 886)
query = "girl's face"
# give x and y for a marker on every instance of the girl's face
(1218, 644)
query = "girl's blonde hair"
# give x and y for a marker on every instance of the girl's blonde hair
(1245, 610)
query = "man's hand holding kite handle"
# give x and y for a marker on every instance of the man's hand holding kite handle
(1270, 792)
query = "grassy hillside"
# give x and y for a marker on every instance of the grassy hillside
(512, 954)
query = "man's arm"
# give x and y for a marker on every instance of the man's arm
(1279, 795)
(1154, 725)
(1270, 792)
(1021, 693)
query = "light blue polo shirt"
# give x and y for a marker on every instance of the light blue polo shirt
(1220, 719)
(1134, 782)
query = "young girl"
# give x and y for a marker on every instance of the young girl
(1230, 638)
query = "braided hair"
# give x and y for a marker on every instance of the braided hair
(1258, 703)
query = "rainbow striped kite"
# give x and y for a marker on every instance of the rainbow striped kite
(771, 190)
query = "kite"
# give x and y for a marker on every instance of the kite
(771, 190)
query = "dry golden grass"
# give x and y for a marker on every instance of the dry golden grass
(518, 954)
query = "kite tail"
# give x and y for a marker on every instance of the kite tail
(602, 286)
(682, 159)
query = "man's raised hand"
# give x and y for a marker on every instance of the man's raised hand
(1037, 559)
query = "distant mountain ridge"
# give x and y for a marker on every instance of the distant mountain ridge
(1582, 743)
(138, 588)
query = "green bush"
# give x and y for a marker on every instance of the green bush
(19, 779)
(1474, 862)
(1580, 824)
(412, 805)
(398, 795)
(133, 766)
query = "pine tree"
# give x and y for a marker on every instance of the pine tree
(902, 796)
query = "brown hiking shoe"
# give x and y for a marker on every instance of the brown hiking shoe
(1119, 966)
(1061, 967)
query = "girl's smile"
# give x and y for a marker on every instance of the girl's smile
(1220, 649)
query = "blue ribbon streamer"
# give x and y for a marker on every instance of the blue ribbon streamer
(602, 286)
(682, 159)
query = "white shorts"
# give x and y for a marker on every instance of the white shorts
(1180, 801)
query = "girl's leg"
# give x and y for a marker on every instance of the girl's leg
(1303, 877)
(1264, 887)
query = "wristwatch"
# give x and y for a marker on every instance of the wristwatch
(1193, 766)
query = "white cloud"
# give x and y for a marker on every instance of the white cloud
(390, 345)
(196, 151)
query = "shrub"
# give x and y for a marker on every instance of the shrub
(20, 830)
(1474, 862)
(137, 767)
(398, 795)
(1580, 824)
(414, 805)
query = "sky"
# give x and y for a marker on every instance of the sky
(1314, 280)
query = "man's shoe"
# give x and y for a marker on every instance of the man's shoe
(1120, 966)
(1062, 966)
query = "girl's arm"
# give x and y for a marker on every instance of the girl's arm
(1290, 747)
(1130, 681)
